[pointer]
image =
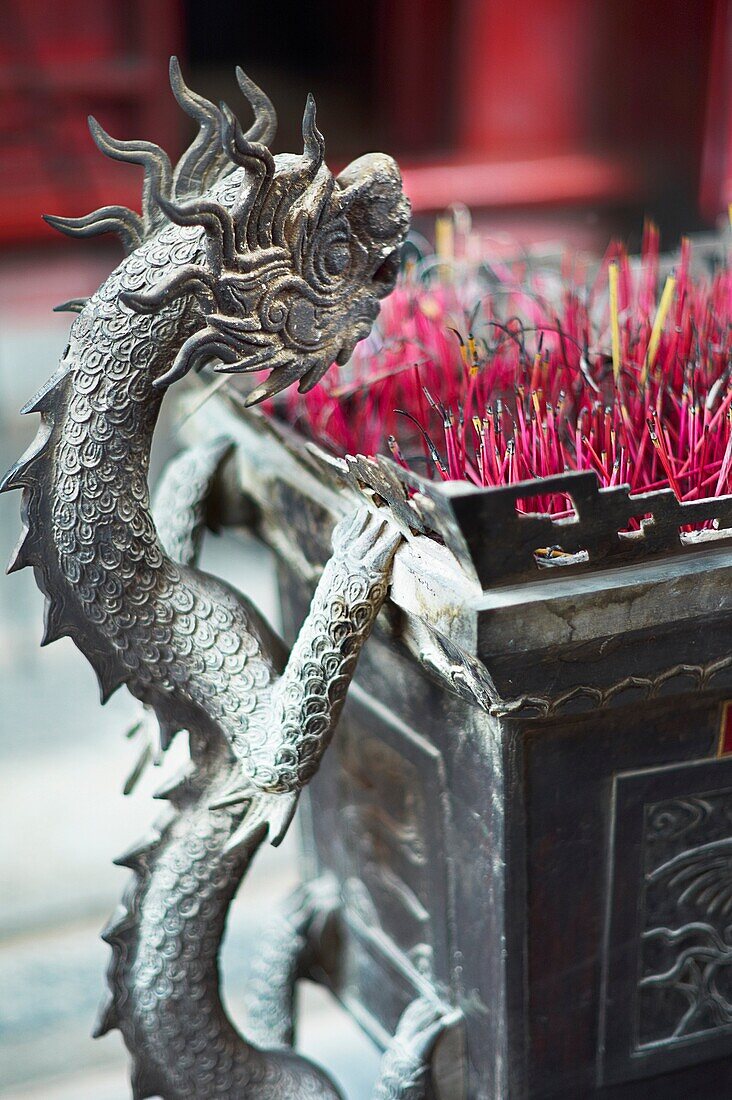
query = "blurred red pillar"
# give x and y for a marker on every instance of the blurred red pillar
(523, 73)
(561, 101)
(716, 182)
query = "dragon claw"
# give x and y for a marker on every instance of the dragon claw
(267, 815)
(405, 1066)
(367, 537)
(422, 1023)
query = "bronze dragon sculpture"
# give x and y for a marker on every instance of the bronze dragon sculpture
(249, 262)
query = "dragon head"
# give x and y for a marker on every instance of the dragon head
(296, 260)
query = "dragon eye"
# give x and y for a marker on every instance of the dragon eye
(337, 259)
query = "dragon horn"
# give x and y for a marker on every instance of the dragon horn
(313, 140)
(240, 148)
(264, 127)
(215, 219)
(251, 232)
(204, 159)
(158, 172)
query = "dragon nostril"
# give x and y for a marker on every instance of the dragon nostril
(387, 271)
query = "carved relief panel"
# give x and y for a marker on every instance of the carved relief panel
(379, 807)
(668, 958)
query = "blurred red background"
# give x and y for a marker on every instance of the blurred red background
(601, 109)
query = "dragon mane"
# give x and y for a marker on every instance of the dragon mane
(284, 242)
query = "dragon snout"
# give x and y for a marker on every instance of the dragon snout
(373, 199)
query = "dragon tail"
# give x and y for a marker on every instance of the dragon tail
(122, 935)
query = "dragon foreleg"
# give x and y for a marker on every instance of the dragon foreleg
(284, 743)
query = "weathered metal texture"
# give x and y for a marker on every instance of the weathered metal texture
(492, 811)
(260, 263)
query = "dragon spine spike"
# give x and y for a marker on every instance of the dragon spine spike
(119, 928)
(109, 679)
(55, 623)
(44, 402)
(136, 857)
(264, 127)
(179, 789)
(22, 555)
(144, 1084)
(73, 305)
(14, 478)
(107, 1019)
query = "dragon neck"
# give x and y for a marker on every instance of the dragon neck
(178, 640)
(109, 575)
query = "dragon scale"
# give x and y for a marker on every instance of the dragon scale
(253, 263)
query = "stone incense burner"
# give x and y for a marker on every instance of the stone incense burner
(528, 803)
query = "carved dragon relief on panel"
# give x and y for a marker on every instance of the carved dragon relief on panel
(685, 978)
(383, 817)
(669, 949)
(249, 262)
